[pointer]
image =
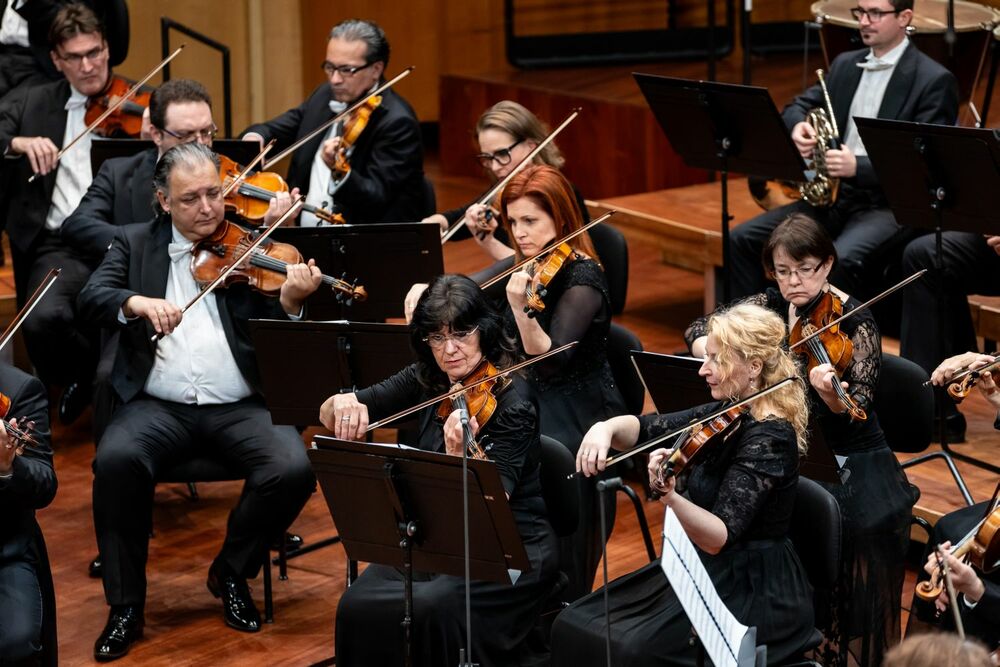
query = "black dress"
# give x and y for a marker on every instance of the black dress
(875, 502)
(371, 609)
(576, 390)
(749, 482)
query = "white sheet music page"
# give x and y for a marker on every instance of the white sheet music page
(727, 642)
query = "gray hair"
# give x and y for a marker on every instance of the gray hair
(189, 156)
(369, 32)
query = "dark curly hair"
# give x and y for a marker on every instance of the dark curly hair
(457, 303)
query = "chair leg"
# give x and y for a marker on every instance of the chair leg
(193, 491)
(268, 593)
(641, 518)
(959, 480)
(283, 557)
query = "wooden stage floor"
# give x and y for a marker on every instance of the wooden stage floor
(183, 621)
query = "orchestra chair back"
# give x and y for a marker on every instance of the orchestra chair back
(561, 494)
(612, 250)
(905, 409)
(815, 533)
(49, 655)
(621, 342)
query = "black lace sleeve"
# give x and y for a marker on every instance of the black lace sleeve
(656, 425)
(699, 327)
(866, 363)
(767, 456)
(393, 394)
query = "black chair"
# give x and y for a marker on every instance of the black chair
(621, 342)
(905, 410)
(815, 533)
(49, 655)
(612, 250)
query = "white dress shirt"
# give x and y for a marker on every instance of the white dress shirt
(871, 89)
(13, 27)
(73, 173)
(320, 178)
(194, 364)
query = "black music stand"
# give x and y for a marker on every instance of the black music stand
(402, 507)
(674, 385)
(937, 177)
(104, 149)
(386, 259)
(723, 127)
(346, 355)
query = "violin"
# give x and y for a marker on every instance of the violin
(266, 267)
(693, 442)
(831, 346)
(543, 273)
(981, 546)
(19, 436)
(478, 398)
(126, 118)
(352, 130)
(962, 384)
(251, 196)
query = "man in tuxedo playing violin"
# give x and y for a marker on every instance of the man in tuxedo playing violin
(385, 182)
(34, 123)
(27, 483)
(195, 390)
(889, 79)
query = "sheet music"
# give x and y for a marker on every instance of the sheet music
(727, 642)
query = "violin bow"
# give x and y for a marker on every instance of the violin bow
(266, 232)
(854, 311)
(246, 170)
(950, 587)
(455, 392)
(343, 114)
(555, 244)
(687, 427)
(500, 185)
(22, 315)
(114, 107)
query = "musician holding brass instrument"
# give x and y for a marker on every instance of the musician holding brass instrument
(890, 79)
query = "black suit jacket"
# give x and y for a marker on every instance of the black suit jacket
(121, 194)
(137, 263)
(34, 483)
(920, 90)
(387, 166)
(983, 620)
(38, 111)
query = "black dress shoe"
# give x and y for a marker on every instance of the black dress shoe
(124, 627)
(237, 605)
(95, 569)
(74, 400)
(954, 428)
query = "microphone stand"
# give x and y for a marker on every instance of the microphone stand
(465, 654)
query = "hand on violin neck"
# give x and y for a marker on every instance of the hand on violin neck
(952, 366)
(964, 578)
(8, 450)
(454, 434)
(163, 315)
(279, 205)
(481, 221)
(822, 377)
(659, 480)
(40, 151)
(301, 281)
(330, 153)
(517, 289)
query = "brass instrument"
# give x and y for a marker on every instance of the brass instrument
(821, 190)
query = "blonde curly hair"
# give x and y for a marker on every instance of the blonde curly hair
(747, 333)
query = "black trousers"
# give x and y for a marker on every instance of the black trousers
(20, 612)
(147, 436)
(969, 266)
(61, 347)
(857, 228)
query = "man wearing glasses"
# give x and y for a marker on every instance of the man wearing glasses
(889, 79)
(34, 123)
(385, 182)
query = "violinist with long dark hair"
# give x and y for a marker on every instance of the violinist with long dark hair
(454, 331)
(196, 389)
(736, 509)
(875, 499)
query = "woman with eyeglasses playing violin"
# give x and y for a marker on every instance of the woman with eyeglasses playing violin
(27, 483)
(505, 133)
(875, 498)
(736, 507)
(453, 331)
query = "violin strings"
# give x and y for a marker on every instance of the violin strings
(267, 262)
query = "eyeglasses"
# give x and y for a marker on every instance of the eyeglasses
(94, 55)
(185, 137)
(345, 71)
(802, 272)
(873, 15)
(437, 340)
(502, 156)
